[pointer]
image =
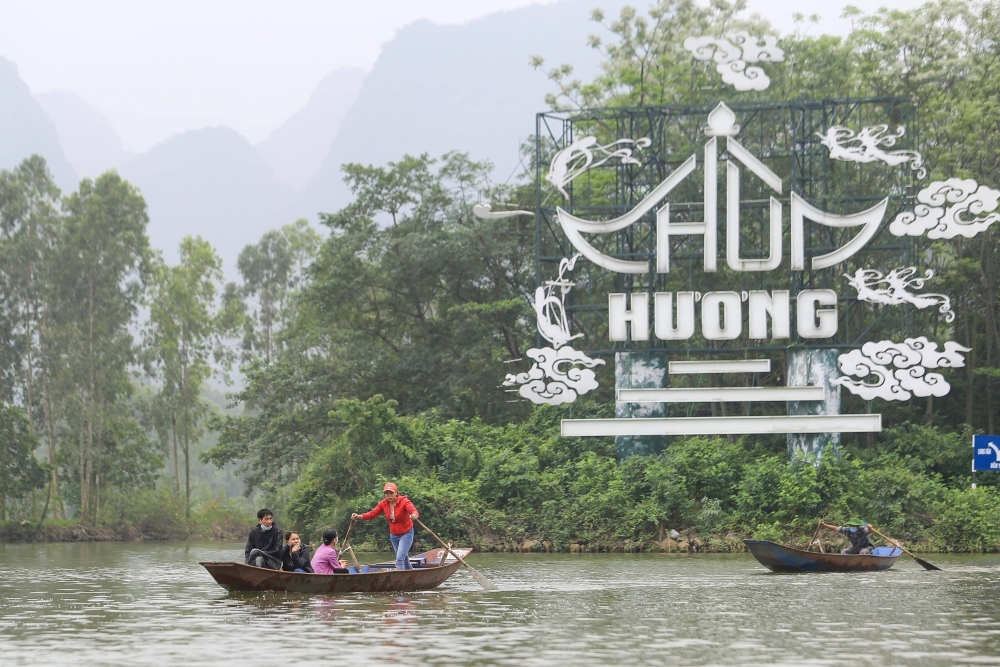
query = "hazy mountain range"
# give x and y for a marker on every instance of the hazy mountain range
(433, 89)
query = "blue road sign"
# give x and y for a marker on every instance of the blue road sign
(985, 452)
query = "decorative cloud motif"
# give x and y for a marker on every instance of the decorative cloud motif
(557, 376)
(950, 208)
(864, 146)
(579, 156)
(866, 282)
(733, 53)
(907, 377)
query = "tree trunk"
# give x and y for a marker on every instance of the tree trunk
(177, 468)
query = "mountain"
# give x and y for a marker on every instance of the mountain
(90, 142)
(210, 182)
(296, 150)
(468, 87)
(25, 129)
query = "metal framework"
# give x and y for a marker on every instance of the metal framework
(786, 137)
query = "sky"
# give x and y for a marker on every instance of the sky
(156, 68)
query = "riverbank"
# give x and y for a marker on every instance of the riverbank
(235, 530)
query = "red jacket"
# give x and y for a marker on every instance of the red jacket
(399, 517)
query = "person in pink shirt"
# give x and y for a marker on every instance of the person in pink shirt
(326, 560)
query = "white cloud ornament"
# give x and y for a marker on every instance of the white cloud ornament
(899, 369)
(732, 54)
(946, 209)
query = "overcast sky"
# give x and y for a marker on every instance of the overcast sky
(159, 67)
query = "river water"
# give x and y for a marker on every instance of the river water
(152, 604)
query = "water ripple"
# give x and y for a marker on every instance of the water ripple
(152, 604)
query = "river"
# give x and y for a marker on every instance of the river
(152, 604)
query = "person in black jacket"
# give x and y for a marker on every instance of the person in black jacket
(265, 544)
(296, 557)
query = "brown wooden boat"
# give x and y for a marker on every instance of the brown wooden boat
(778, 558)
(430, 570)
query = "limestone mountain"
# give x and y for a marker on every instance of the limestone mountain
(296, 149)
(25, 129)
(87, 137)
(210, 182)
(467, 87)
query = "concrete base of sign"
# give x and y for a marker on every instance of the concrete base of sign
(635, 370)
(813, 368)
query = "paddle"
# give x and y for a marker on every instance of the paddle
(483, 581)
(351, 549)
(924, 564)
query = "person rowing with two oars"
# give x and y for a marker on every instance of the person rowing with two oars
(857, 532)
(400, 512)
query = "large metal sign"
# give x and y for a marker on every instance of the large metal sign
(762, 256)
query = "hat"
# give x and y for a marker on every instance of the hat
(389, 486)
(855, 521)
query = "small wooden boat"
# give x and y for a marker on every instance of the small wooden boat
(430, 570)
(778, 558)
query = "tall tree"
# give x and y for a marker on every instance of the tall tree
(272, 269)
(29, 229)
(100, 269)
(183, 328)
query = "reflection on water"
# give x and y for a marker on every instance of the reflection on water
(152, 604)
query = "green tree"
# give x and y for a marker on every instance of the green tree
(272, 270)
(30, 226)
(100, 265)
(183, 329)
(20, 472)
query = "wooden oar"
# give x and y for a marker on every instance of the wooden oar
(483, 581)
(347, 535)
(924, 564)
(819, 526)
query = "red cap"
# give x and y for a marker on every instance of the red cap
(389, 486)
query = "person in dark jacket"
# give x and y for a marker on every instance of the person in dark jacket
(295, 557)
(265, 545)
(856, 531)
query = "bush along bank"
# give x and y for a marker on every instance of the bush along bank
(152, 514)
(522, 487)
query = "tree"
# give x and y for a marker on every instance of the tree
(20, 472)
(100, 268)
(411, 297)
(30, 226)
(272, 269)
(183, 327)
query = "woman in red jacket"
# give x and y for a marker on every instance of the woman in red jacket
(399, 511)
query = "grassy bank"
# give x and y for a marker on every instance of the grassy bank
(154, 514)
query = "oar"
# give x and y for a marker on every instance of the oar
(347, 535)
(483, 581)
(924, 564)
(819, 525)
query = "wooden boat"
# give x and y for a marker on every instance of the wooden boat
(778, 558)
(430, 570)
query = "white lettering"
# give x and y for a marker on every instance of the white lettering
(813, 322)
(663, 313)
(721, 316)
(774, 304)
(619, 318)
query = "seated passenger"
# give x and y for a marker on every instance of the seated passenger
(295, 558)
(326, 560)
(264, 545)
